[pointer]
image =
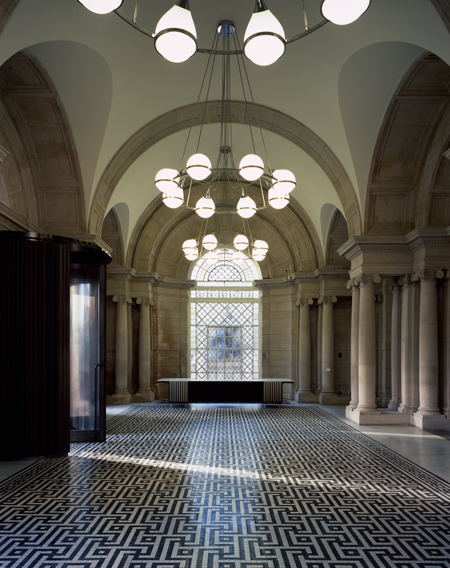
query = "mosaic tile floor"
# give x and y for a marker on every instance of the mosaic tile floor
(226, 487)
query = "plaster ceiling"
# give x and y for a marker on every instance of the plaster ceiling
(337, 82)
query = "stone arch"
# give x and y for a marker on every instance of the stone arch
(155, 245)
(112, 234)
(239, 113)
(409, 150)
(337, 236)
(41, 171)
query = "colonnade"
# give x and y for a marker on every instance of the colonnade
(145, 392)
(414, 352)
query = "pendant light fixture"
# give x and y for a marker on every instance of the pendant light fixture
(209, 242)
(173, 198)
(166, 180)
(265, 42)
(205, 206)
(246, 207)
(264, 39)
(343, 12)
(175, 34)
(101, 6)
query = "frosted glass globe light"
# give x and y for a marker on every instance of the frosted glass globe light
(284, 181)
(174, 198)
(198, 167)
(205, 207)
(246, 207)
(257, 255)
(238, 257)
(209, 242)
(211, 257)
(343, 12)
(251, 167)
(101, 6)
(277, 200)
(264, 39)
(189, 245)
(165, 180)
(192, 255)
(261, 246)
(240, 242)
(175, 34)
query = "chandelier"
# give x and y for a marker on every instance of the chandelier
(200, 173)
(175, 35)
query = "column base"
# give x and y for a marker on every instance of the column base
(406, 409)
(306, 397)
(392, 406)
(118, 398)
(430, 421)
(143, 396)
(379, 417)
(333, 399)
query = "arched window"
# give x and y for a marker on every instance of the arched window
(225, 319)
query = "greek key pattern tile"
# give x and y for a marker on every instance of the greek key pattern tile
(226, 487)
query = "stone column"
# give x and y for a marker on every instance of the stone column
(121, 394)
(367, 345)
(319, 346)
(395, 347)
(353, 285)
(328, 395)
(445, 349)
(428, 345)
(386, 344)
(409, 398)
(304, 393)
(145, 393)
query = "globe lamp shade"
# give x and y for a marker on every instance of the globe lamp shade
(198, 167)
(343, 12)
(101, 6)
(277, 200)
(264, 39)
(209, 242)
(175, 35)
(174, 198)
(238, 257)
(258, 255)
(251, 167)
(240, 242)
(189, 245)
(192, 254)
(283, 181)
(205, 207)
(165, 180)
(211, 257)
(261, 246)
(246, 207)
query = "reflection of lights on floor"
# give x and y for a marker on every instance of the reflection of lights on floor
(401, 435)
(195, 468)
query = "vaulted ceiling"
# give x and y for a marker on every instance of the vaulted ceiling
(90, 112)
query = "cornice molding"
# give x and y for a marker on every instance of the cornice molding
(272, 283)
(120, 274)
(174, 283)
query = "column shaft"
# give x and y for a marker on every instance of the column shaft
(145, 393)
(121, 393)
(395, 349)
(367, 347)
(428, 346)
(354, 371)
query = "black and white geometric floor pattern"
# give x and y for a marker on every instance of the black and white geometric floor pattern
(226, 487)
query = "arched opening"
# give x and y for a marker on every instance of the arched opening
(225, 320)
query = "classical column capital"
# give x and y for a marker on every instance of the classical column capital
(145, 302)
(122, 300)
(353, 284)
(395, 284)
(304, 302)
(427, 275)
(368, 279)
(405, 280)
(327, 300)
